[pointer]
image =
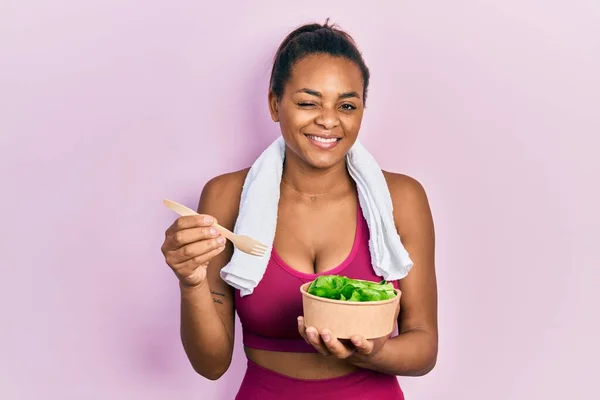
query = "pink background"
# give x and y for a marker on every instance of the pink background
(106, 107)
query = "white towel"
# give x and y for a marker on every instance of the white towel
(257, 217)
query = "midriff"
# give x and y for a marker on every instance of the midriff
(300, 365)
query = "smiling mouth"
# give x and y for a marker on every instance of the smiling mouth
(323, 143)
(322, 139)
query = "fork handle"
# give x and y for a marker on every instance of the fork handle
(224, 231)
(185, 211)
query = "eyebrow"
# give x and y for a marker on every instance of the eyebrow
(312, 92)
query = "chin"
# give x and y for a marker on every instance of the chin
(322, 165)
(323, 161)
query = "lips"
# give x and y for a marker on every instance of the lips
(323, 142)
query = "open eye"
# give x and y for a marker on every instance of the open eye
(348, 107)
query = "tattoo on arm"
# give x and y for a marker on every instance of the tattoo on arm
(218, 294)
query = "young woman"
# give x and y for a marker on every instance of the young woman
(317, 95)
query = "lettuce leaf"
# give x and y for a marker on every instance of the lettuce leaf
(346, 289)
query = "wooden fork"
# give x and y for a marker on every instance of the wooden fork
(242, 242)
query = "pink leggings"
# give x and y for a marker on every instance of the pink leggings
(264, 384)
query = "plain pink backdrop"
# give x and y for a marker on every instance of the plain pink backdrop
(107, 107)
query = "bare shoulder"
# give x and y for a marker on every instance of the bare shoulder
(221, 197)
(404, 188)
(409, 200)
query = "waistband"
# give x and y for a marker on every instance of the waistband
(362, 384)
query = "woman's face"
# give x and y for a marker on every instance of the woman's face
(321, 109)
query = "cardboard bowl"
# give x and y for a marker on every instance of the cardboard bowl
(371, 319)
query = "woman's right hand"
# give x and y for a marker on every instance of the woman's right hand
(190, 243)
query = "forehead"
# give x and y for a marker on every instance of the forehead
(326, 73)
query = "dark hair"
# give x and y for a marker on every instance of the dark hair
(314, 39)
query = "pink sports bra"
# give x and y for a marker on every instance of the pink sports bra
(269, 315)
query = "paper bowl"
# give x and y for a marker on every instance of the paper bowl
(371, 319)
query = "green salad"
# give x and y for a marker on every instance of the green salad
(347, 289)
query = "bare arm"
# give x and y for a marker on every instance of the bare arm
(207, 310)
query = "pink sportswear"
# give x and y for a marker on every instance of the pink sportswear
(269, 322)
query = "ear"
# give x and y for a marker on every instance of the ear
(274, 107)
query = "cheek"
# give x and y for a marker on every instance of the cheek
(351, 124)
(293, 121)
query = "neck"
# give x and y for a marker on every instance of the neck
(312, 181)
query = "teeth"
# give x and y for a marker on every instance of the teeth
(323, 140)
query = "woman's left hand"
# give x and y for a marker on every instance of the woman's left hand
(357, 350)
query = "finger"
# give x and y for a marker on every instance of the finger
(191, 221)
(302, 329)
(178, 239)
(362, 345)
(194, 250)
(334, 346)
(187, 267)
(315, 340)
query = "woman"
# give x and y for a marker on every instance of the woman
(317, 95)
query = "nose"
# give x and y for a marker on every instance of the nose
(328, 119)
